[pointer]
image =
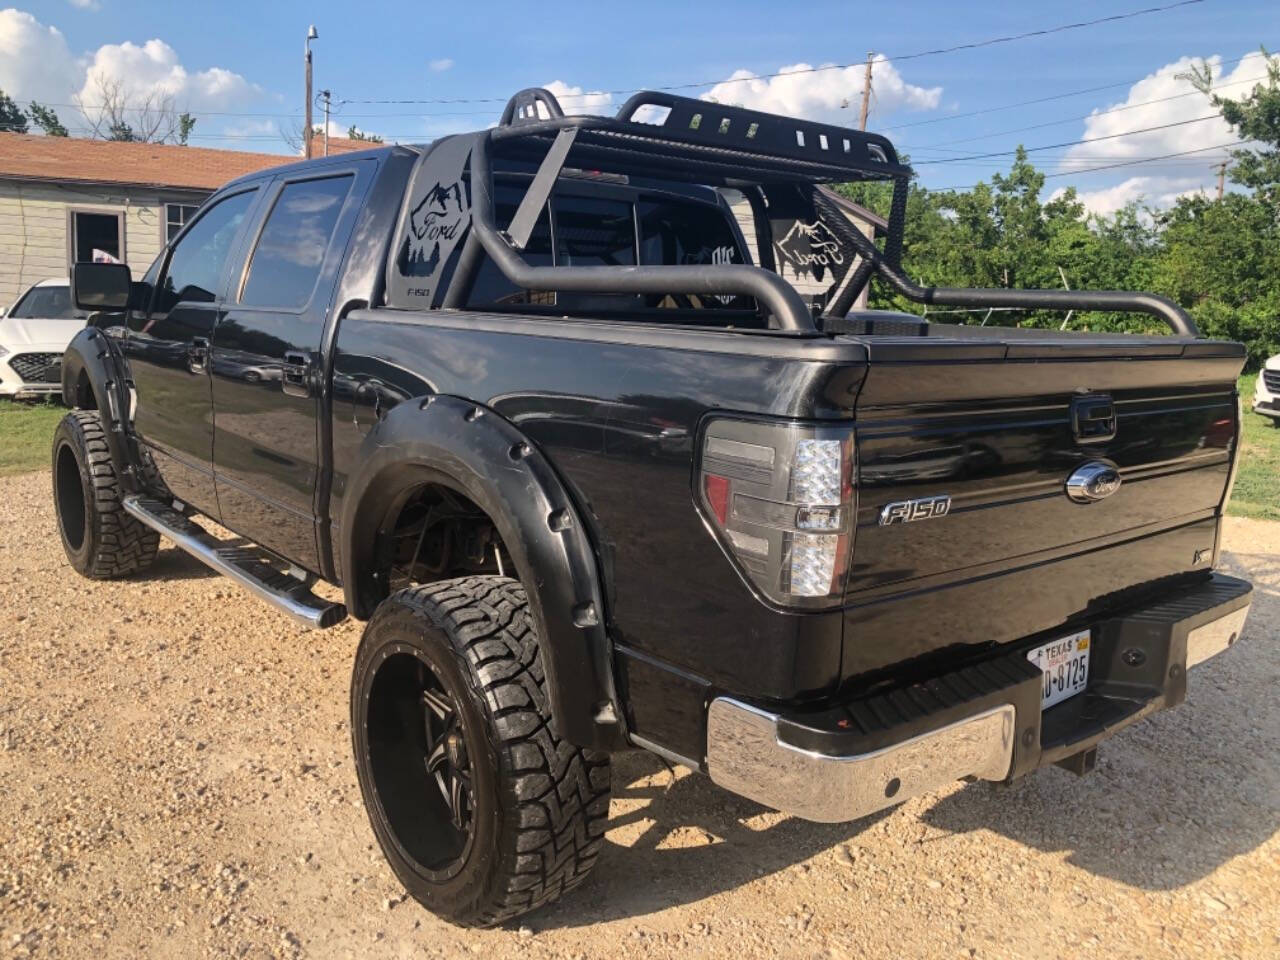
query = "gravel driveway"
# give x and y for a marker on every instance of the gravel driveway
(175, 781)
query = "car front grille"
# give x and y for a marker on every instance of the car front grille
(1272, 379)
(38, 367)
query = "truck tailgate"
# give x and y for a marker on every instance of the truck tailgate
(989, 423)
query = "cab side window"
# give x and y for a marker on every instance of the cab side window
(195, 267)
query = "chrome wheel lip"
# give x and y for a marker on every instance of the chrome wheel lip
(454, 867)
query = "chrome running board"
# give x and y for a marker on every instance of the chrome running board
(245, 563)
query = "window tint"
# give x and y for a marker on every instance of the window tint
(195, 266)
(677, 233)
(290, 252)
(491, 287)
(591, 232)
(47, 303)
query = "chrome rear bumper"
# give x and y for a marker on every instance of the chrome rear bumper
(985, 721)
(1211, 639)
(745, 755)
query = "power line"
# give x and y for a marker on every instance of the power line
(1072, 143)
(1109, 166)
(1048, 99)
(897, 58)
(1087, 116)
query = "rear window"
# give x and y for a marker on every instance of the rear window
(491, 288)
(689, 234)
(586, 231)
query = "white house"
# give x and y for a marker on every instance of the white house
(62, 199)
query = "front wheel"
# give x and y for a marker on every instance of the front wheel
(482, 810)
(101, 540)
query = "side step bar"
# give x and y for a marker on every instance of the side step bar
(248, 565)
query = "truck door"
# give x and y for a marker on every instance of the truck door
(168, 350)
(266, 360)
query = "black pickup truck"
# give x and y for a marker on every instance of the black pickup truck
(544, 401)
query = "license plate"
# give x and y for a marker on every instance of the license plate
(1065, 663)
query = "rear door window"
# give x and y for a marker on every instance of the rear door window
(291, 250)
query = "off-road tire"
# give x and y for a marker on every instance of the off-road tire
(101, 540)
(540, 804)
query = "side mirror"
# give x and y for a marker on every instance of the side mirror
(101, 286)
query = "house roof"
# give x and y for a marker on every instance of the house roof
(341, 145)
(64, 159)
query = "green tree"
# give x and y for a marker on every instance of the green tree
(1255, 117)
(12, 120)
(354, 134)
(46, 119)
(186, 123)
(119, 130)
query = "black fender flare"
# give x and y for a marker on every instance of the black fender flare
(468, 447)
(92, 355)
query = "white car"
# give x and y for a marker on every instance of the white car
(1266, 396)
(34, 334)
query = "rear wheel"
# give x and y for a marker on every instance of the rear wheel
(481, 809)
(101, 540)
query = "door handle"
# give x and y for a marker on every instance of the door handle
(295, 374)
(198, 355)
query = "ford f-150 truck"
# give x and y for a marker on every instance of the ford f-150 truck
(545, 402)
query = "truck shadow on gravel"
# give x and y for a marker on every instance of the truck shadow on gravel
(173, 563)
(695, 840)
(1175, 796)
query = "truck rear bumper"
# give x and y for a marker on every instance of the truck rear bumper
(983, 721)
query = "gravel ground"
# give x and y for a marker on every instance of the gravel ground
(175, 781)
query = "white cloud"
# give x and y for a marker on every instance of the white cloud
(35, 61)
(37, 64)
(153, 67)
(1141, 114)
(441, 65)
(1157, 192)
(576, 100)
(86, 4)
(832, 95)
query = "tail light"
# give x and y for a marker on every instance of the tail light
(779, 498)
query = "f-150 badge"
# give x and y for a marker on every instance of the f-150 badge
(908, 511)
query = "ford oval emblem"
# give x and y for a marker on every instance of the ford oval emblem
(1093, 481)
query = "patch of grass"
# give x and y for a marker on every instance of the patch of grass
(26, 435)
(1257, 491)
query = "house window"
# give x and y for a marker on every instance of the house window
(97, 237)
(175, 216)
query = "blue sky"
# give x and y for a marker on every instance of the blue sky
(238, 67)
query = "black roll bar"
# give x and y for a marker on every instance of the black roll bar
(1120, 301)
(773, 293)
(736, 147)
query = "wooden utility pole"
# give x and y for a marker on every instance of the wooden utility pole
(866, 94)
(325, 96)
(1222, 177)
(306, 121)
